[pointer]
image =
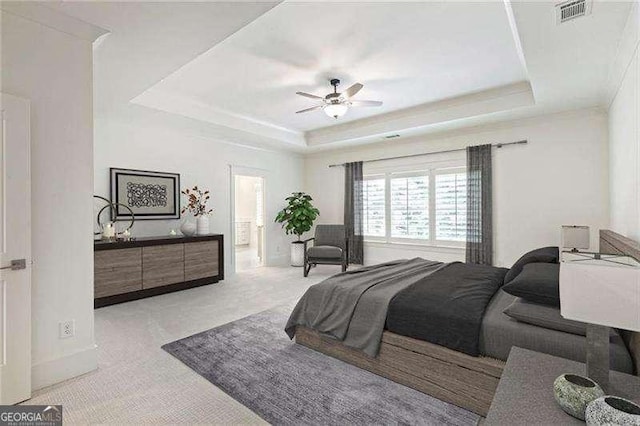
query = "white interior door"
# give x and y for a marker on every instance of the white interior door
(15, 251)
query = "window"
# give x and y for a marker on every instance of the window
(451, 206)
(426, 207)
(373, 200)
(410, 207)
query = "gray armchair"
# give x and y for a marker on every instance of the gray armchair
(330, 247)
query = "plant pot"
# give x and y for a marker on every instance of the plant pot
(297, 253)
(203, 225)
(573, 393)
(188, 229)
(612, 410)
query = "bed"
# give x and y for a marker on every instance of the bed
(468, 376)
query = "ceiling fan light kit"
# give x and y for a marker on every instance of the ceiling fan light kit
(335, 110)
(337, 104)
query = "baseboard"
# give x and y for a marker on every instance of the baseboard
(281, 260)
(54, 371)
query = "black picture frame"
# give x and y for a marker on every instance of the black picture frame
(151, 195)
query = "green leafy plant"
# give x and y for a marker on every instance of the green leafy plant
(298, 216)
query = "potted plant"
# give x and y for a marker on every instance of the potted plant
(197, 204)
(297, 218)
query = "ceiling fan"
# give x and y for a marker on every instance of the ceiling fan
(336, 104)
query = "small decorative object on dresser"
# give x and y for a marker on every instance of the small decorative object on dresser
(202, 224)
(297, 218)
(108, 230)
(612, 410)
(148, 195)
(197, 204)
(188, 228)
(573, 393)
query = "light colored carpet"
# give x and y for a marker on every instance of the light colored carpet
(137, 382)
(254, 361)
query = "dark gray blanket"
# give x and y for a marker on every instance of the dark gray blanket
(447, 308)
(352, 306)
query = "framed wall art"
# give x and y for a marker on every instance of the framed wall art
(150, 195)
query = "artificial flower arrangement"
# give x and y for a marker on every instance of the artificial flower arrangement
(196, 201)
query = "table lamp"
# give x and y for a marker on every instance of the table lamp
(602, 291)
(575, 237)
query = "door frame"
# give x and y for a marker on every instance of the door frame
(235, 170)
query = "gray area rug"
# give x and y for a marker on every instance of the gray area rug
(254, 361)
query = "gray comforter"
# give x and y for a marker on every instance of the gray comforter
(352, 306)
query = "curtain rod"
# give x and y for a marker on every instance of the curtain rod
(497, 145)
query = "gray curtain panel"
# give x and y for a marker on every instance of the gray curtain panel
(479, 205)
(353, 208)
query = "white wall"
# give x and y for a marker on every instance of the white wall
(155, 145)
(624, 134)
(560, 177)
(53, 70)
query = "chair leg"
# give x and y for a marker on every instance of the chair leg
(344, 266)
(307, 268)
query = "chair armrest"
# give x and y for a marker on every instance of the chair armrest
(306, 242)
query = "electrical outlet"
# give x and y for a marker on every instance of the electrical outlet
(67, 329)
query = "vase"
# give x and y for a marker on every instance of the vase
(188, 228)
(573, 393)
(297, 253)
(203, 225)
(612, 410)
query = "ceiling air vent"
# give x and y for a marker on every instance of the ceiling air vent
(572, 9)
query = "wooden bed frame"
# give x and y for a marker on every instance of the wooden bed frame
(466, 381)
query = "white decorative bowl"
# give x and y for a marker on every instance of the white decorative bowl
(188, 229)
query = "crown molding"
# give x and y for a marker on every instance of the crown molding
(188, 107)
(475, 132)
(36, 12)
(421, 117)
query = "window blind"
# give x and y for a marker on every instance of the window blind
(409, 207)
(451, 206)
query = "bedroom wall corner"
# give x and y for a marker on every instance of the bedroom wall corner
(624, 131)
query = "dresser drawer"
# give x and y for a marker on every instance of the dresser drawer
(162, 265)
(201, 260)
(117, 271)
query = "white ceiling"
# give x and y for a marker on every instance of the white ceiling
(435, 65)
(150, 40)
(404, 53)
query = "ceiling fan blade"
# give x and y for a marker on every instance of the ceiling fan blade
(365, 103)
(352, 90)
(309, 95)
(309, 109)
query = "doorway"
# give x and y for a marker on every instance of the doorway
(248, 217)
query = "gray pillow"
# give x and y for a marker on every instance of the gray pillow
(538, 283)
(545, 316)
(541, 255)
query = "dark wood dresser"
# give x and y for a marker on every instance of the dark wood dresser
(129, 270)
